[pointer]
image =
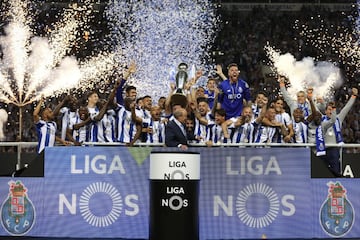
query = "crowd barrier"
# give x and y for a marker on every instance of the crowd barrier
(245, 192)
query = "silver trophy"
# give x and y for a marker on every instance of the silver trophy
(181, 78)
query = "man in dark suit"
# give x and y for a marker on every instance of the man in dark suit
(175, 131)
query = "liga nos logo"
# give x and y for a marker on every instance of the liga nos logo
(336, 213)
(257, 190)
(17, 211)
(114, 210)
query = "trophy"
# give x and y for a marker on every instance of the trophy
(179, 96)
(181, 78)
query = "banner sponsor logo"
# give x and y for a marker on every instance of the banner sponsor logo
(98, 164)
(254, 165)
(176, 200)
(174, 166)
(257, 205)
(100, 204)
(257, 193)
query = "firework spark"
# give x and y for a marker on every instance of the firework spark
(332, 42)
(34, 66)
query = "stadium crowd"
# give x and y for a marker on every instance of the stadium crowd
(219, 112)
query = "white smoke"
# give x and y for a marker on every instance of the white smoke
(323, 77)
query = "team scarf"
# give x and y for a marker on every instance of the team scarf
(320, 140)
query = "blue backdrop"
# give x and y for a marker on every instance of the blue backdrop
(244, 193)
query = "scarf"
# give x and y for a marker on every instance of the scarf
(320, 140)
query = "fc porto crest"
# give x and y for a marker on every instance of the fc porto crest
(17, 211)
(336, 213)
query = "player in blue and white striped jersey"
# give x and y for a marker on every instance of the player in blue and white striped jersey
(79, 129)
(68, 110)
(128, 130)
(155, 125)
(245, 127)
(46, 128)
(204, 118)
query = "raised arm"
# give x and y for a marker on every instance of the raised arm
(168, 99)
(224, 128)
(104, 108)
(61, 104)
(310, 118)
(121, 83)
(37, 109)
(219, 72)
(348, 105)
(288, 99)
(325, 124)
(131, 69)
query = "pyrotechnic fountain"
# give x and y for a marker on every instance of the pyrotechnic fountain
(34, 67)
(322, 76)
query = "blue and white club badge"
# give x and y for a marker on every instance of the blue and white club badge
(17, 211)
(336, 213)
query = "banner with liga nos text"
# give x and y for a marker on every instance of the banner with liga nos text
(103, 192)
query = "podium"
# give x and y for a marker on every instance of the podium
(174, 195)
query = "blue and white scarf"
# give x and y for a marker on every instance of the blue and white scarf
(320, 140)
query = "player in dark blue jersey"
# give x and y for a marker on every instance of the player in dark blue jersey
(234, 91)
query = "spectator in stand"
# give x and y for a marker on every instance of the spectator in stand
(234, 93)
